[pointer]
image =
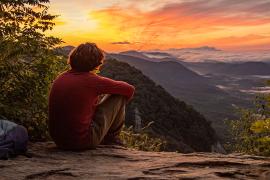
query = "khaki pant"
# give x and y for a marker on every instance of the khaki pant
(108, 119)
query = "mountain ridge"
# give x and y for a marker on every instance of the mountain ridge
(239, 68)
(201, 48)
(185, 129)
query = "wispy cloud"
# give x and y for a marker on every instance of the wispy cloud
(121, 42)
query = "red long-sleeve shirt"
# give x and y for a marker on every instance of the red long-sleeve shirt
(72, 103)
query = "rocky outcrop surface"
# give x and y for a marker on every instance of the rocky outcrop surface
(108, 162)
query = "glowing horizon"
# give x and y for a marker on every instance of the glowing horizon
(118, 25)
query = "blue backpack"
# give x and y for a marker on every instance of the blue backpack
(13, 139)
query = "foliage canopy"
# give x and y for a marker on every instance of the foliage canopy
(28, 63)
(251, 131)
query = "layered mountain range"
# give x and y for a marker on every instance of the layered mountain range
(213, 88)
(183, 128)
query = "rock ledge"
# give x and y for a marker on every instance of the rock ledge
(108, 162)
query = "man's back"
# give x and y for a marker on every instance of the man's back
(72, 103)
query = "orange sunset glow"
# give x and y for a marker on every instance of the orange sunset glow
(118, 25)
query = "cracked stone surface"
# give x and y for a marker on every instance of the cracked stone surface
(111, 162)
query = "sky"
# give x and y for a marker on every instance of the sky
(119, 25)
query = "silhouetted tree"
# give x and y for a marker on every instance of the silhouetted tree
(28, 63)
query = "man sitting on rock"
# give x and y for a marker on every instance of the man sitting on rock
(78, 118)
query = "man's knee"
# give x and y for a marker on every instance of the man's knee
(119, 97)
(111, 103)
(113, 98)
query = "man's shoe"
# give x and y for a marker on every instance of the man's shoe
(113, 141)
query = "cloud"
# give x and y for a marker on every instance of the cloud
(195, 16)
(121, 42)
(217, 12)
(163, 24)
(246, 38)
(218, 7)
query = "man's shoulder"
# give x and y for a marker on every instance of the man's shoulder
(98, 76)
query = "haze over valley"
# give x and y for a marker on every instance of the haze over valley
(213, 87)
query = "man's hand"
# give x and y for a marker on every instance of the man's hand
(103, 97)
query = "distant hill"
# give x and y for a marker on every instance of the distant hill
(184, 128)
(149, 56)
(64, 50)
(173, 76)
(190, 87)
(134, 54)
(240, 68)
(157, 55)
(164, 71)
(202, 48)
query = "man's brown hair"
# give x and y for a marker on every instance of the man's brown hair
(86, 57)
